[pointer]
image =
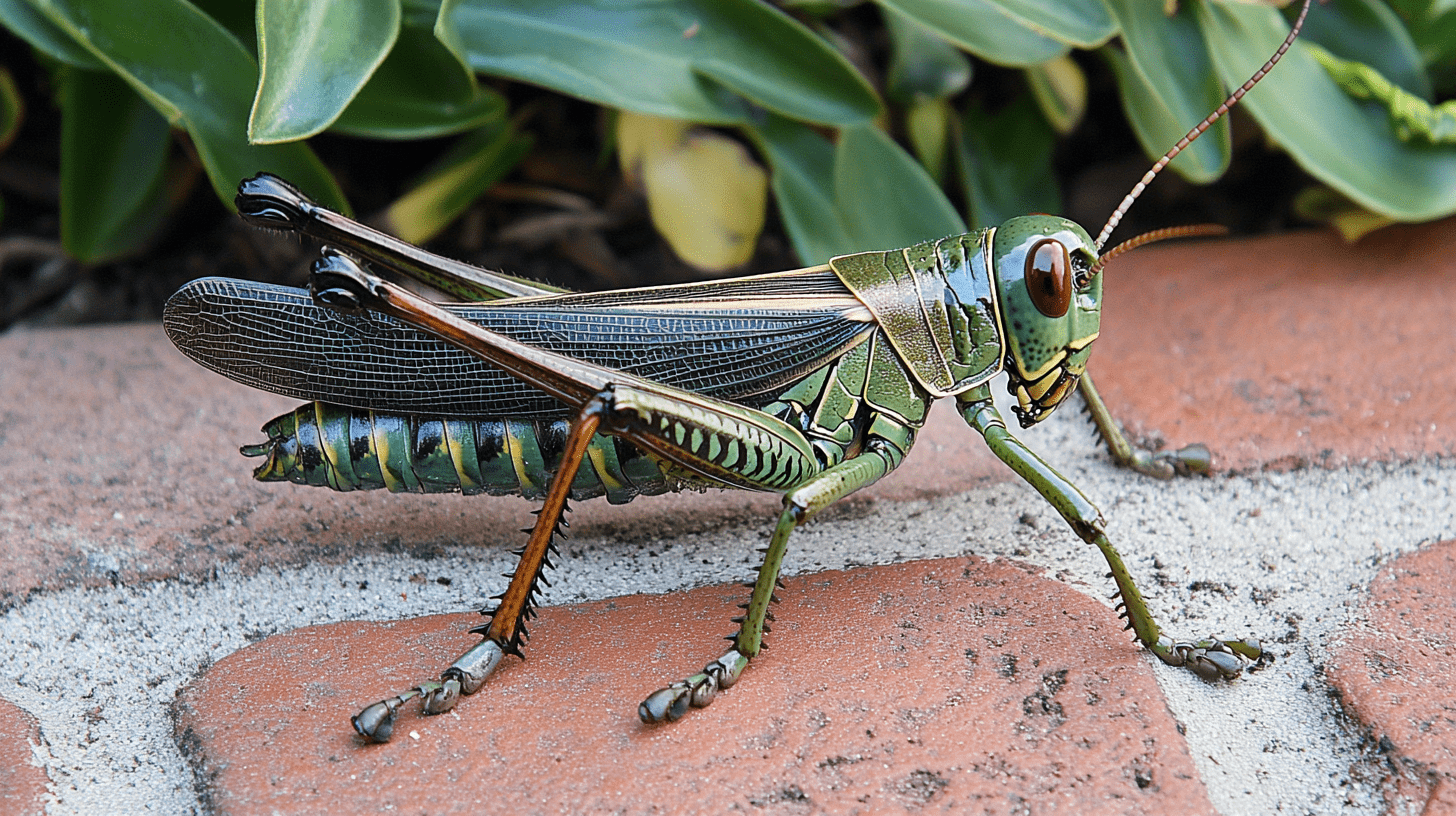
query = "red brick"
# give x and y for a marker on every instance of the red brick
(948, 685)
(1287, 350)
(22, 782)
(1394, 672)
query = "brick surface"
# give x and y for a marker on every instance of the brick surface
(22, 783)
(121, 464)
(1287, 350)
(1393, 671)
(939, 686)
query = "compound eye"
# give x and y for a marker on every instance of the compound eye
(1049, 278)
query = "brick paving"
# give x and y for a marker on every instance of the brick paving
(1395, 674)
(1278, 353)
(952, 685)
(22, 782)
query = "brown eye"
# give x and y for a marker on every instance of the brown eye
(1049, 278)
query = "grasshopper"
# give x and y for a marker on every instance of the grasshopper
(811, 383)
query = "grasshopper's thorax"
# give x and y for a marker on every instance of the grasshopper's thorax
(1050, 308)
(936, 304)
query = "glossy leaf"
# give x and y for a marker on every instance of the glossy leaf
(1368, 31)
(113, 158)
(922, 64)
(1167, 85)
(862, 193)
(982, 27)
(199, 77)
(1348, 145)
(26, 22)
(420, 91)
(313, 57)
(682, 59)
(1080, 23)
(1005, 162)
(885, 196)
(801, 164)
(476, 162)
(1413, 118)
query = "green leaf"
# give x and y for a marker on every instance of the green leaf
(477, 161)
(802, 168)
(922, 65)
(1079, 23)
(239, 17)
(419, 92)
(314, 56)
(1368, 31)
(982, 27)
(1167, 85)
(682, 59)
(30, 25)
(1413, 118)
(1319, 203)
(884, 196)
(1344, 143)
(113, 158)
(862, 193)
(199, 77)
(1015, 33)
(1005, 162)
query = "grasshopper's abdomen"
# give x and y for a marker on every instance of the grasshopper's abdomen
(346, 449)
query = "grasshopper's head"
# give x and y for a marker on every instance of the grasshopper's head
(1051, 308)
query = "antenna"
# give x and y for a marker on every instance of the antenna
(1197, 131)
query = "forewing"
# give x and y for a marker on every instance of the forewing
(743, 341)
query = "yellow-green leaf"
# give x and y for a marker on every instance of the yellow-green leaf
(1352, 221)
(1060, 90)
(928, 125)
(477, 161)
(706, 195)
(639, 135)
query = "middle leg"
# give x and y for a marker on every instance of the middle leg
(800, 504)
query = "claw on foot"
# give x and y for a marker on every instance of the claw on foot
(376, 723)
(465, 676)
(671, 703)
(1187, 461)
(1212, 658)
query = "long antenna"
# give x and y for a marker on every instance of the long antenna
(1197, 131)
(1188, 231)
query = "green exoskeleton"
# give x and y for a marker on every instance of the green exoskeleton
(810, 383)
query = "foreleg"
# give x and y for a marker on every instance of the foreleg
(1210, 658)
(1185, 461)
